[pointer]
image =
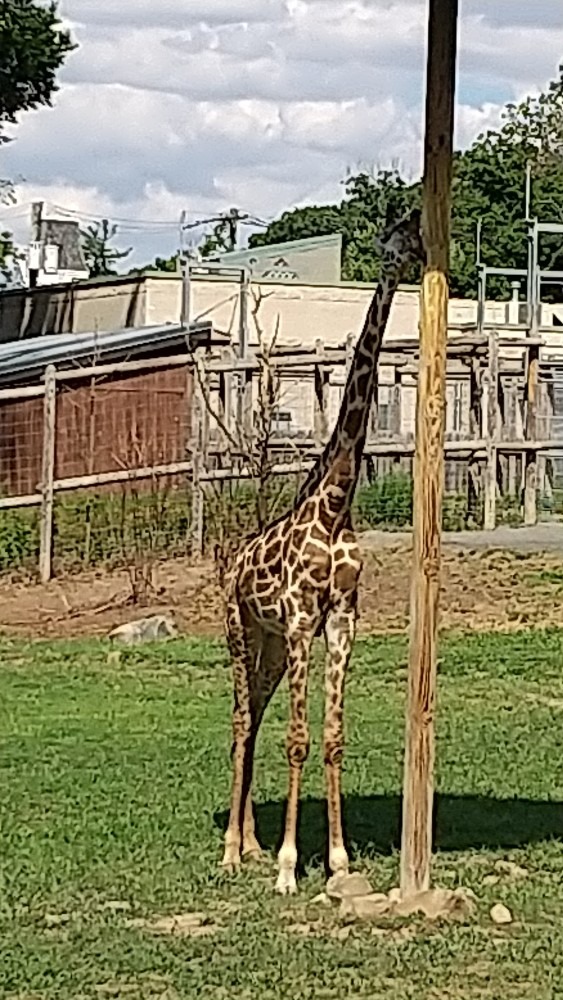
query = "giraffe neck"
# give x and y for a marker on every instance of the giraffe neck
(338, 468)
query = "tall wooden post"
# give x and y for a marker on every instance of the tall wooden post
(321, 399)
(531, 460)
(418, 792)
(199, 423)
(48, 475)
(492, 423)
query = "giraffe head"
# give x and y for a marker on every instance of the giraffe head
(401, 244)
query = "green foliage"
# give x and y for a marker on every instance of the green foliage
(8, 254)
(110, 529)
(99, 255)
(113, 528)
(488, 186)
(386, 502)
(223, 236)
(115, 783)
(19, 539)
(33, 47)
(370, 203)
(168, 264)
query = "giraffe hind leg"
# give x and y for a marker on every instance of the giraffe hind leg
(243, 655)
(258, 665)
(270, 668)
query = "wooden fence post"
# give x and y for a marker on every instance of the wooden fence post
(320, 413)
(225, 409)
(492, 436)
(418, 787)
(48, 475)
(531, 461)
(197, 431)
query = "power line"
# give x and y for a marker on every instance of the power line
(158, 225)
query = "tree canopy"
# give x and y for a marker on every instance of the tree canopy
(488, 187)
(33, 47)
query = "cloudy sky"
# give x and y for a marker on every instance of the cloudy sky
(199, 105)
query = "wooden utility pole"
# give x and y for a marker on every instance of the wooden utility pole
(418, 792)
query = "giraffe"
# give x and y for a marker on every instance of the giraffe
(297, 579)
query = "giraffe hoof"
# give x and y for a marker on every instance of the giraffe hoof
(229, 867)
(231, 860)
(286, 884)
(254, 855)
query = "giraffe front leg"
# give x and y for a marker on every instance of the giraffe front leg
(340, 631)
(298, 648)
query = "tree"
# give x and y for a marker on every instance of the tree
(488, 187)
(168, 264)
(8, 255)
(371, 201)
(223, 236)
(8, 252)
(33, 47)
(100, 257)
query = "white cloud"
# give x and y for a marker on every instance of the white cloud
(204, 104)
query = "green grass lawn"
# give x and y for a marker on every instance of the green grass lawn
(114, 781)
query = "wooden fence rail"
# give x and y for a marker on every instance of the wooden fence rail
(505, 417)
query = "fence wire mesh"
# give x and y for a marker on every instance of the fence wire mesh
(124, 483)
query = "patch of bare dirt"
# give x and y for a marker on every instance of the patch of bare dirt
(177, 925)
(481, 590)
(149, 987)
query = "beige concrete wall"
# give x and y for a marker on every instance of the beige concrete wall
(305, 312)
(302, 313)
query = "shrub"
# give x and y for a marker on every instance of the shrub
(19, 539)
(386, 502)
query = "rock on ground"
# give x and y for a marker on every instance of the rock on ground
(153, 629)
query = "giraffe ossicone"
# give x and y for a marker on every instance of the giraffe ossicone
(299, 578)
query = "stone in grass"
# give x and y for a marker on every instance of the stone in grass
(500, 914)
(153, 629)
(177, 925)
(371, 907)
(436, 904)
(511, 869)
(321, 900)
(346, 885)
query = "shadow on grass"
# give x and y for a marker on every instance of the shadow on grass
(372, 824)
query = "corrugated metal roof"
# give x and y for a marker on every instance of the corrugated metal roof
(30, 357)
